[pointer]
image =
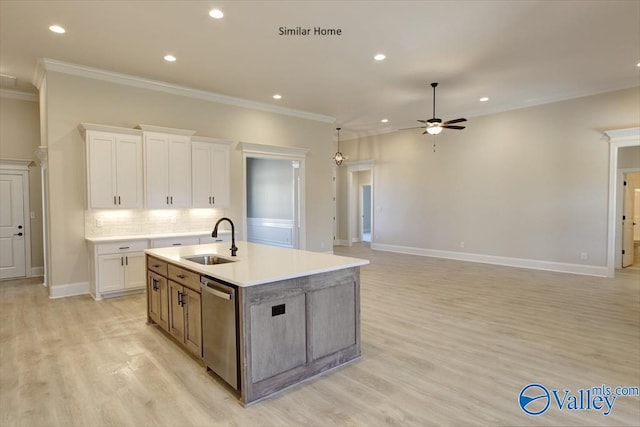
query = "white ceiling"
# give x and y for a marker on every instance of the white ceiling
(518, 53)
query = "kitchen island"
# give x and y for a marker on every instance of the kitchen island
(297, 313)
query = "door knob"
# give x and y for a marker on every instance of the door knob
(19, 234)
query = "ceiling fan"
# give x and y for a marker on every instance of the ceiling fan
(434, 126)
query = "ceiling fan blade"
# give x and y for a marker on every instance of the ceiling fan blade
(417, 127)
(452, 127)
(424, 132)
(422, 121)
(450, 122)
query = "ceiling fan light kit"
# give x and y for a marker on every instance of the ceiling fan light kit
(434, 126)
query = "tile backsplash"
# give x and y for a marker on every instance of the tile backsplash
(108, 223)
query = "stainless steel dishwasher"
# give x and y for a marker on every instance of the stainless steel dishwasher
(219, 337)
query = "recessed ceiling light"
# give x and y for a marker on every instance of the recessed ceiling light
(638, 65)
(277, 96)
(170, 58)
(379, 57)
(57, 29)
(484, 99)
(216, 13)
(385, 120)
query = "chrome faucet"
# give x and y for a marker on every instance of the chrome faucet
(214, 233)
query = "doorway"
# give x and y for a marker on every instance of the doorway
(274, 194)
(622, 139)
(630, 219)
(15, 236)
(272, 202)
(365, 213)
(360, 199)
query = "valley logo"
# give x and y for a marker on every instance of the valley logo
(535, 399)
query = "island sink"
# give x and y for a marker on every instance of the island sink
(208, 259)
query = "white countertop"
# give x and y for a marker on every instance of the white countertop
(256, 264)
(153, 236)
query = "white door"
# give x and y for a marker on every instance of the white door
(135, 273)
(102, 169)
(220, 167)
(156, 167)
(179, 171)
(128, 175)
(12, 229)
(111, 272)
(201, 175)
(627, 226)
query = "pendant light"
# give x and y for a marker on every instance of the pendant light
(338, 157)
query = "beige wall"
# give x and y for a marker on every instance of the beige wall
(19, 139)
(530, 183)
(71, 100)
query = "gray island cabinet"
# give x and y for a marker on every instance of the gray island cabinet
(298, 312)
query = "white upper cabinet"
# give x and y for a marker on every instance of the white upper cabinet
(210, 181)
(167, 164)
(114, 167)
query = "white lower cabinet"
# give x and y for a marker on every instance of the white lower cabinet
(117, 268)
(121, 272)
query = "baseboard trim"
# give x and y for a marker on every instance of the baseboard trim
(36, 271)
(68, 290)
(340, 242)
(586, 270)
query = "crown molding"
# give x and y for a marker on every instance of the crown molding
(22, 96)
(125, 79)
(252, 148)
(617, 135)
(161, 129)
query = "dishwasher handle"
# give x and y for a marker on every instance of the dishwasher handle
(217, 290)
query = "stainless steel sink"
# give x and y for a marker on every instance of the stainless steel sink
(208, 259)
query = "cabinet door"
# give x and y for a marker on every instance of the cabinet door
(101, 170)
(179, 171)
(176, 311)
(193, 322)
(135, 270)
(201, 175)
(332, 319)
(220, 168)
(129, 171)
(156, 165)
(111, 273)
(278, 336)
(158, 302)
(210, 174)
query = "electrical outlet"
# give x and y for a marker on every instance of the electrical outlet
(33, 215)
(99, 222)
(584, 256)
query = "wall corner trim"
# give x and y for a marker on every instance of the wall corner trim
(126, 79)
(585, 270)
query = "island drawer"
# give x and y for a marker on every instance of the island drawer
(155, 265)
(184, 277)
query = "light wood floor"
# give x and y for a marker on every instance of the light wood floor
(444, 343)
